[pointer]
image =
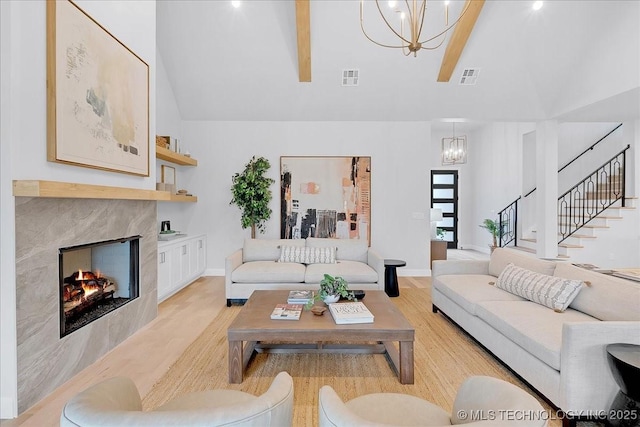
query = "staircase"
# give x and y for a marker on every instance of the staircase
(611, 220)
(596, 207)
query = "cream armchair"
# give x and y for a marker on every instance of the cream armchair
(480, 401)
(116, 402)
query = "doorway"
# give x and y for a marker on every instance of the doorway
(444, 195)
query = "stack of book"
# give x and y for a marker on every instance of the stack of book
(287, 312)
(299, 297)
(346, 313)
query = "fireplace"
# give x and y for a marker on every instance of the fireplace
(95, 279)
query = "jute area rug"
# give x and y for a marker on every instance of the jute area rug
(444, 357)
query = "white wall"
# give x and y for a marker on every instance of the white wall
(169, 123)
(606, 68)
(24, 133)
(495, 173)
(8, 343)
(573, 139)
(400, 159)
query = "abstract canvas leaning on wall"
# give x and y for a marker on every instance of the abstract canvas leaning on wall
(326, 197)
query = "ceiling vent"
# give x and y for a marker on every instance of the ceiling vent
(350, 77)
(469, 76)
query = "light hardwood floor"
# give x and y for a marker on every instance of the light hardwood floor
(147, 355)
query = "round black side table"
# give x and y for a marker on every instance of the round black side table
(624, 362)
(391, 277)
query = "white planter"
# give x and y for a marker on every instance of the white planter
(329, 299)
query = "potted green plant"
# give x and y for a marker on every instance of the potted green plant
(493, 227)
(251, 192)
(440, 233)
(331, 289)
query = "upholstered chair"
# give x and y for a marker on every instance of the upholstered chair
(479, 401)
(116, 402)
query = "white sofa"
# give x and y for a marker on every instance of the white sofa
(256, 266)
(561, 354)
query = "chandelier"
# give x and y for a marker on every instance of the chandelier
(405, 19)
(454, 149)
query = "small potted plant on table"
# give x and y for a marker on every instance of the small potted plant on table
(331, 289)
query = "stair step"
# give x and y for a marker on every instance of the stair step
(570, 246)
(533, 251)
(562, 245)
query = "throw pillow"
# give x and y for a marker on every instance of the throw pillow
(292, 254)
(550, 291)
(307, 255)
(320, 255)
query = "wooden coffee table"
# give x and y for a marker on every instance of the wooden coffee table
(253, 331)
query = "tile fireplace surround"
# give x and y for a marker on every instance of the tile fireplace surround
(43, 225)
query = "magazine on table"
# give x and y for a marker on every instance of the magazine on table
(345, 313)
(299, 297)
(287, 312)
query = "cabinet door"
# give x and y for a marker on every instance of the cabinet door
(202, 255)
(197, 257)
(185, 265)
(176, 270)
(164, 273)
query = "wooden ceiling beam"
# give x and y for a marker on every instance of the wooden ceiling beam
(459, 39)
(304, 40)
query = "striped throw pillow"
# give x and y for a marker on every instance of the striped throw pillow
(307, 255)
(550, 291)
(292, 254)
(320, 255)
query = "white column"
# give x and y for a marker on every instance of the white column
(631, 136)
(8, 343)
(547, 189)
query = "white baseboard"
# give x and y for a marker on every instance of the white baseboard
(214, 272)
(483, 249)
(410, 272)
(8, 408)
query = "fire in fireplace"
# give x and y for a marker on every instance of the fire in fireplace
(95, 279)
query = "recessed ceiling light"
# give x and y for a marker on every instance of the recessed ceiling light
(392, 4)
(537, 5)
(235, 3)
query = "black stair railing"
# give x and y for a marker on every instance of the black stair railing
(591, 196)
(580, 155)
(508, 221)
(508, 217)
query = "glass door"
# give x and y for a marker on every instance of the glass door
(444, 195)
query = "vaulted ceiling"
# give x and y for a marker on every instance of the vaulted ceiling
(571, 60)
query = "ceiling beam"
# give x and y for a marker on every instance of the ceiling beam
(304, 40)
(459, 39)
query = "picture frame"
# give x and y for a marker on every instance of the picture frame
(97, 95)
(325, 196)
(168, 175)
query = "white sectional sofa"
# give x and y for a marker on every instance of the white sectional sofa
(561, 354)
(256, 266)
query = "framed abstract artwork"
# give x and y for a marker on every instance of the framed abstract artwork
(97, 95)
(325, 197)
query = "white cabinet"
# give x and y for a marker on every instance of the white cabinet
(180, 262)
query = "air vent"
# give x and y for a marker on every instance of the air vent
(469, 76)
(350, 77)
